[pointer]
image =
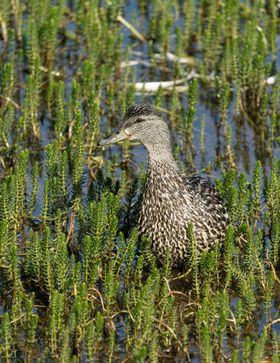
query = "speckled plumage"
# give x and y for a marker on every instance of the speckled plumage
(170, 201)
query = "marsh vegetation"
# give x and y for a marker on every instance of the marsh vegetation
(74, 285)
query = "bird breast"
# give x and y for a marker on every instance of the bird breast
(170, 204)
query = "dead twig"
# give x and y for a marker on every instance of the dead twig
(134, 31)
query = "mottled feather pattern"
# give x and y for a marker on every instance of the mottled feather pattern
(143, 109)
(170, 203)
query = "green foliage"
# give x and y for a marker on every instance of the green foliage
(75, 278)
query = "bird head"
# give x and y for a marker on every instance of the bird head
(141, 123)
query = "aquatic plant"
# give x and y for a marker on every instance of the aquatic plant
(75, 278)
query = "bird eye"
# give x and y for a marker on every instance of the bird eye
(139, 120)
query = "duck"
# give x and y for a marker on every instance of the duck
(178, 213)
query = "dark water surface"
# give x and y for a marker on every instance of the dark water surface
(236, 142)
(246, 143)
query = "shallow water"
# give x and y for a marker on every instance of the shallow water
(246, 144)
(212, 161)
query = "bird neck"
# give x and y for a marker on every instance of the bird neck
(162, 159)
(159, 155)
(163, 176)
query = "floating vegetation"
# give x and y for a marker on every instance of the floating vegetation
(76, 284)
